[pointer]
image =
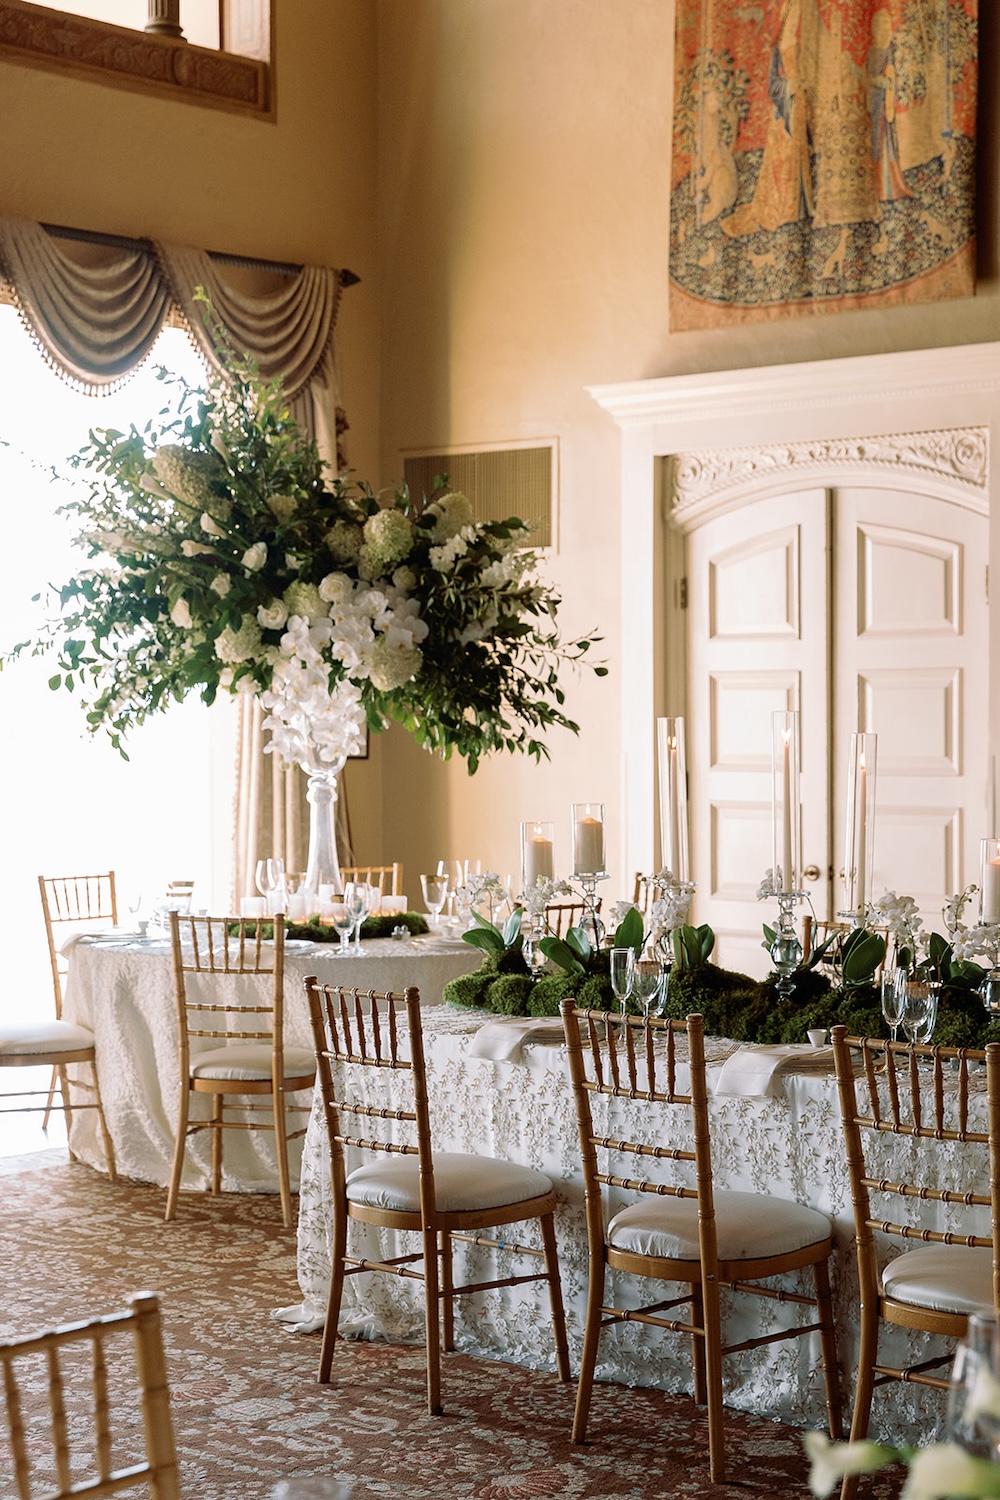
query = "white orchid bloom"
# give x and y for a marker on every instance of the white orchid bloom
(944, 1471)
(831, 1461)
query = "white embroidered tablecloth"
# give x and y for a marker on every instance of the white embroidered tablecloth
(124, 991)
(789, 1145)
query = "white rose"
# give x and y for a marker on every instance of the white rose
(272, 616)
(255, 557)
(181, 615)
(220, 585)
(334, 587)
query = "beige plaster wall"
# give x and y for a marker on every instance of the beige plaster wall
(524, 177)
(300, 188)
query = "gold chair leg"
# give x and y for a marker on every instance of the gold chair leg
(447, 1294)
(432, 1322)
(180, 1146)
(698, 1345)
(281, 1148)
(713, 1380)
(338, 1250)
(828, 1343)
(591, 1339)
(109, 1150)
(217, 1108)
(555, 1296)
(67, 1108)
(867, 1355)
(53, 1085)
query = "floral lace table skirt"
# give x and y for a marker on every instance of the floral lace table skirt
(789, 1146)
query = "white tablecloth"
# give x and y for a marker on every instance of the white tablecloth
(124, 992)
(789, 1145)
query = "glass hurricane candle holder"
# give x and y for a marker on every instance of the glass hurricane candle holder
(537, 859)
(588, 840)
(785, 798)
(673, 798)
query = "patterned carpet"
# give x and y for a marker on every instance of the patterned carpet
(247, 1410)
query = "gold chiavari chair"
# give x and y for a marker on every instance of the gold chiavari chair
(238, 1050)
(562, 915)
(404, 1184)
(685, 1230)
(68, 904)
(919, 1095)
(388, 878)
(50, 1443)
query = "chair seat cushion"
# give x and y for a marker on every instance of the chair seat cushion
(42, 1037)
(749, 1226)
(250, 1061)
(943, 1278)
(460, 1183)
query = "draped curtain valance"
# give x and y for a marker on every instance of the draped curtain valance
(97, 322)
(96, 318)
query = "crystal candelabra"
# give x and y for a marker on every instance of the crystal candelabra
(786, 949)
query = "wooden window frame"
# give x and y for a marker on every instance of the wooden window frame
(166, 67)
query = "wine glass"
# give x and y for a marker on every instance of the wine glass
(452, 871)
(270, 881)
(971, 1420)
(892, 999)
(435, 889)
(919, 1008)
(359, 900)
(647, 983)
(622, 974)
(341, 919)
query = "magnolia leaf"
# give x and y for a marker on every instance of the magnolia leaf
(862, 958)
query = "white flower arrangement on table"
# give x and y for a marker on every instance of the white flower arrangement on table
(222, 559)
(901, 919)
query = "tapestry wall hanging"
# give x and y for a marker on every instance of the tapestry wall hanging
(823, 157)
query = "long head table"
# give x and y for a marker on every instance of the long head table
(789, 1145)
(124, 992)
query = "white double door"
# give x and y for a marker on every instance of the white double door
(866, 610)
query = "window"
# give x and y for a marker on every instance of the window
(221, 61)
(69, 804)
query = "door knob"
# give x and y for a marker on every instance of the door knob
(811, 872)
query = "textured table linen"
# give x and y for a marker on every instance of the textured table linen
(789, 1145)
(124, 992)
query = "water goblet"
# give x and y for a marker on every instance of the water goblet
(270, 881)
(892, 999)
(435, 890)
(341, 919)
(919, 1009)
(647, 983)
(622, 961)
(358, 899)
(971, 1422)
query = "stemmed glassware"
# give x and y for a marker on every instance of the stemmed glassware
(270, 881)
(341, 919)
(919, 1003)
(359, 899)
(435, 891)
(971, 1420)
(647, 983)
(892, 999)
(622, 962)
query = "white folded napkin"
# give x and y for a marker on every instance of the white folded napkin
(755, 1072)
(502, 1040)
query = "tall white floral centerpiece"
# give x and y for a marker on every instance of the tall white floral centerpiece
(222, 558)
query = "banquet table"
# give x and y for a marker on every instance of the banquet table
(122, 988)
(786, 1142)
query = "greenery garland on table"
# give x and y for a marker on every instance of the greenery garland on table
(733, 1004)
(372, 927)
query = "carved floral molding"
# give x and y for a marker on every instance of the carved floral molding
(959, 455)
(52, 39)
